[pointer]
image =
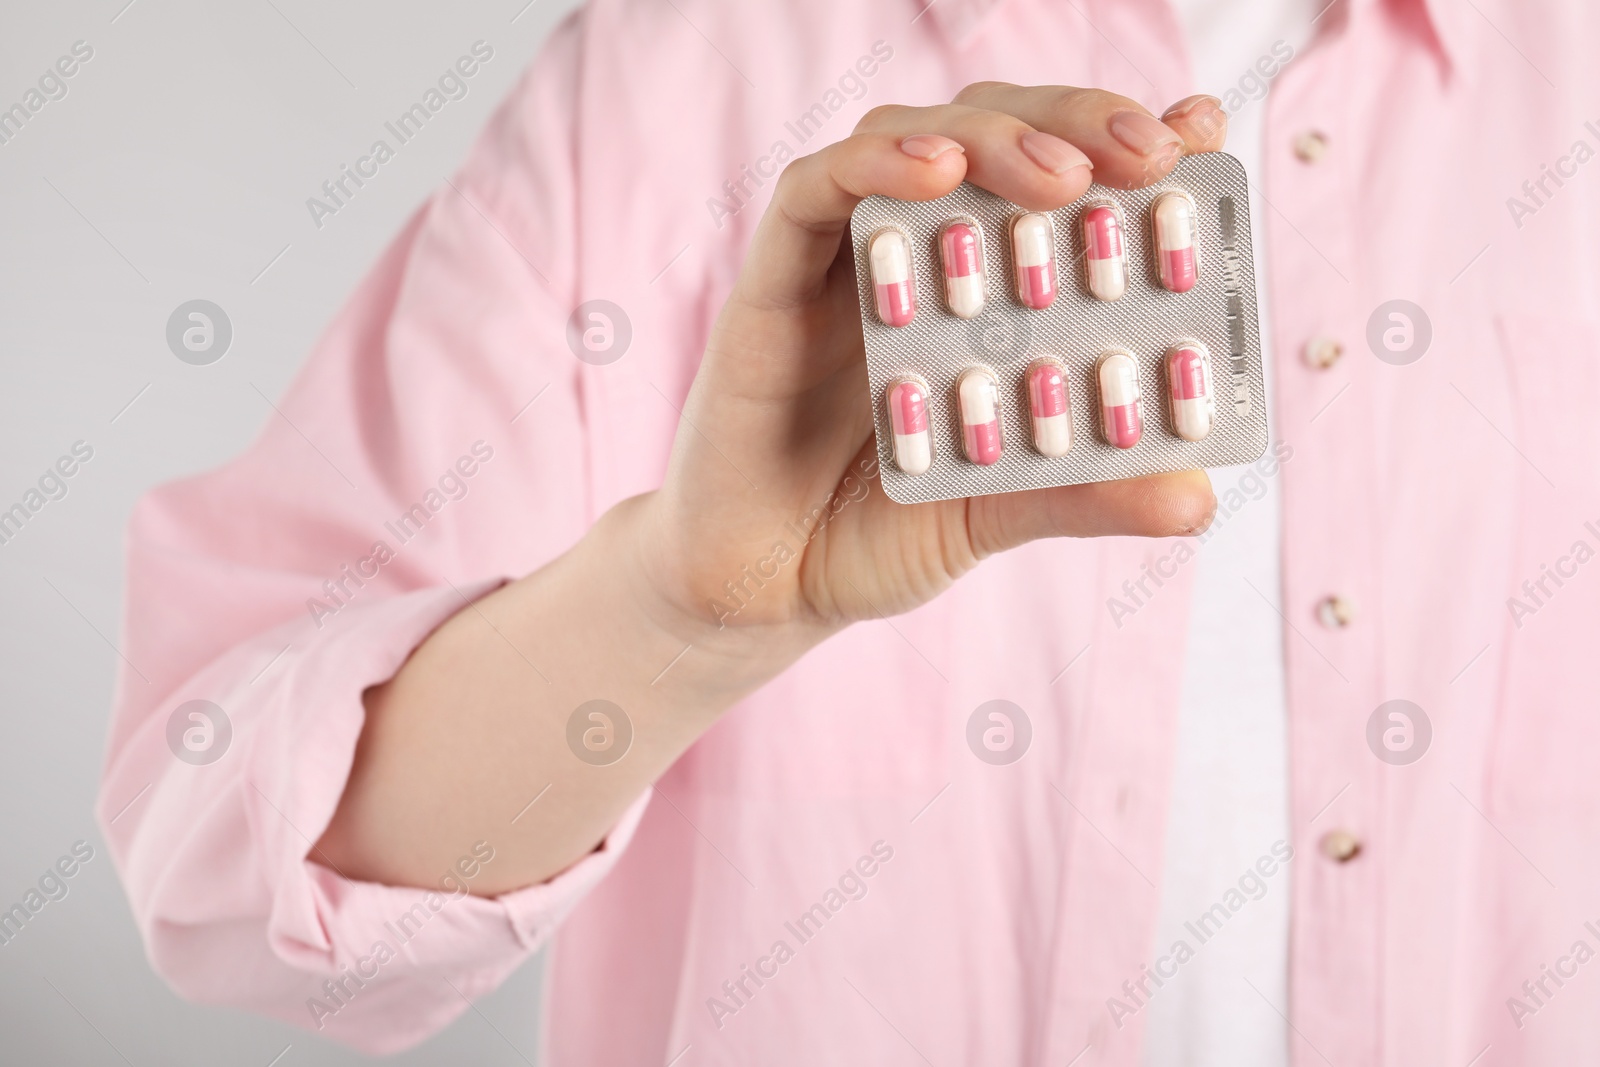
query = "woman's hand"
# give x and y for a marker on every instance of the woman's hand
(779, 418)
(777, 424)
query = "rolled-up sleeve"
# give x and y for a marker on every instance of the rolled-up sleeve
(430, 449)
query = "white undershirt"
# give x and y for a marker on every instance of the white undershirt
(1230, 788)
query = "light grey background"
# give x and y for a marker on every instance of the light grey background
(177, 167)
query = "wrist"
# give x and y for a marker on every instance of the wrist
(628, 553)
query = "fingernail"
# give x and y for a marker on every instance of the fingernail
(1201, 113)
(927, 146)
(1051, 153)
(1141, 133)
(1208, 119)
(1189, 104)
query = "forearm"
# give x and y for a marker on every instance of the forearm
(474, 727)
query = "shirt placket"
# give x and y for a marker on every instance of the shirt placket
(1329, 598)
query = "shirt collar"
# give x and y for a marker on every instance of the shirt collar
(1446, 16)
(957, 19)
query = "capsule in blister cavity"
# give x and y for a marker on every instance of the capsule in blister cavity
(978, 399)
(893, 286)
(1121, 420)
(1174, 223)
(1194, 408)
(908, 415)
(961, 248)
(1050, 408)
(1033, 254)
(1104, 260)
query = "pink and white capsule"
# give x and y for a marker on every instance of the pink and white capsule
(1033, 254)
(1120, 417)
(1104, 259)
(961, 247)
(978, 398)
(908, 415)
(1173, 216)
(893, 287)
(1194, 408)
(1047, 403)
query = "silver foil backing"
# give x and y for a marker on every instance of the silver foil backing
(1219, 311)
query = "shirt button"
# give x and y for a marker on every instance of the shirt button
(1310, 146)
(1340, 846)
(1323, 352)
(1335, 612)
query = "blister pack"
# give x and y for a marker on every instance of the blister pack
(1010, 349)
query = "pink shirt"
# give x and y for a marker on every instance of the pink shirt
(931, 907)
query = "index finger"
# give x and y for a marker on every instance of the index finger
(797, 239)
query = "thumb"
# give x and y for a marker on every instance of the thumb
(1158, 505)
